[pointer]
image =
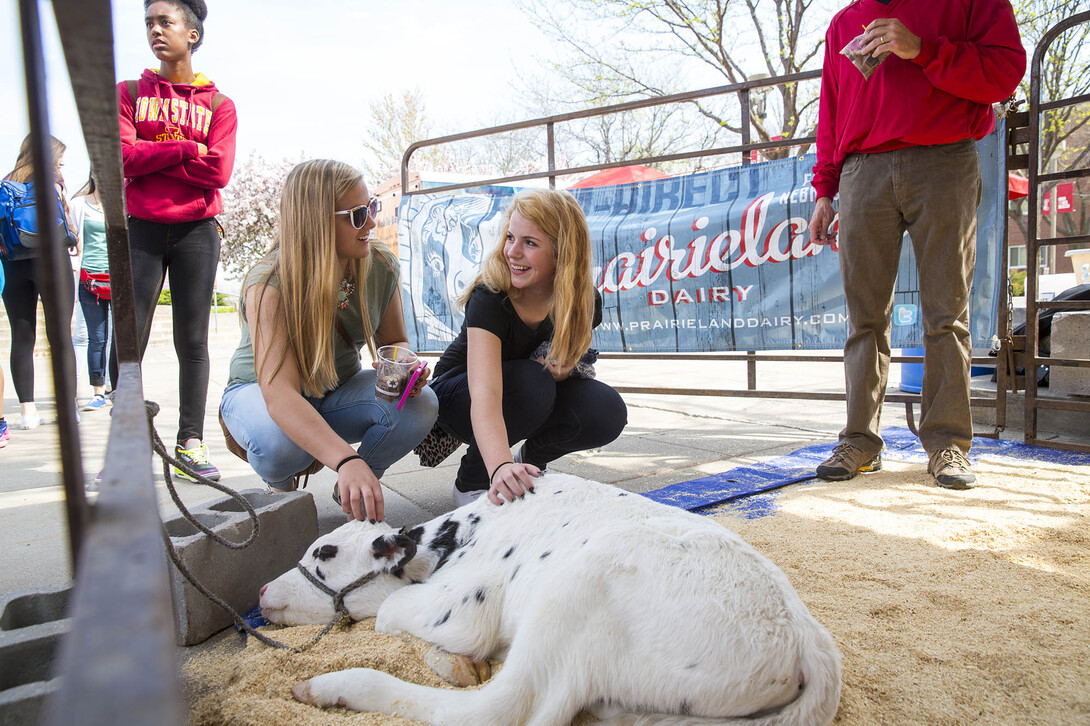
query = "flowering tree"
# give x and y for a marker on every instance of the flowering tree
(251, 211)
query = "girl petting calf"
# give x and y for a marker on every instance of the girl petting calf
(519, 369)
(297, 392)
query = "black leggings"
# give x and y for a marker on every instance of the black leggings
(554, 418)
(188, 252)
(21, 293)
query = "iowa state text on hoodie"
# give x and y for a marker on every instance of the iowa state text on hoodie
(166, 180)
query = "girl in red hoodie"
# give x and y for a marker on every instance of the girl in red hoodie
(178, 147)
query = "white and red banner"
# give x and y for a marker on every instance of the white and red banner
(714, 261)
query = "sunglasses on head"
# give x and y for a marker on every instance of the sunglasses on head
(357, 216)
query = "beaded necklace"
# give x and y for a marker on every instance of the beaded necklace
(347, 288)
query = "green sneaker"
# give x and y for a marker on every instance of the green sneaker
(196, 459)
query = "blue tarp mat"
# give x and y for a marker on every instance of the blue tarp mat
(744, 482)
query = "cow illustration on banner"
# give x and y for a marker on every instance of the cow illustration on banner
(712, 261)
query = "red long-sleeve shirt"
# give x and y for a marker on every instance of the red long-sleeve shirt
(971, 56)
(166, 179)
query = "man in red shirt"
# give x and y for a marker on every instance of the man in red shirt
(899, 146)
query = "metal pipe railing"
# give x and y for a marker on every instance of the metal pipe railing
(117, 663)
(1034, 244)
(54, 273)
(549, 122)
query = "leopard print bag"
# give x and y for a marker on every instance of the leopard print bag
(436, 446)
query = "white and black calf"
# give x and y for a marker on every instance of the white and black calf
(593, 597)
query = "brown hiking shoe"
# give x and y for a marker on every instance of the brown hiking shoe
(846, 462)
(951, 469)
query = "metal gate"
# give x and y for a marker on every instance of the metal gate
(746, 149)
(1028, 347)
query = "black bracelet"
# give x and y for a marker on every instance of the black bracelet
(347, 459)
(496, 470)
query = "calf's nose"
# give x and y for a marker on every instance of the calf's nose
(261, 592)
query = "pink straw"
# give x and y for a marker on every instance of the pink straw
(412, 381)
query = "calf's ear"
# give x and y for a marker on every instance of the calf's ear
(395, 549)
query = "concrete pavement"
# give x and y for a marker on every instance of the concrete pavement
(668, 439)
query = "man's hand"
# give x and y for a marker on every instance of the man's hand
(820, 222)
(889, 35)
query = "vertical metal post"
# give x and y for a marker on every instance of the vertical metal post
(1029, 425)
(54, 273)
(117, 665)
(743, 99)
(551, 140)
(751, 370)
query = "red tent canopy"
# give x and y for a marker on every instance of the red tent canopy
(1017, 186)
(618, 175)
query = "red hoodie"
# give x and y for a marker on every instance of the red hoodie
(970, 57)
(166, 180)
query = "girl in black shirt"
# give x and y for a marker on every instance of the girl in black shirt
(536, 287)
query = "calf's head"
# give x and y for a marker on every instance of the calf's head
(337, 560)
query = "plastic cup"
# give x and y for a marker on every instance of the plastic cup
(396, 364)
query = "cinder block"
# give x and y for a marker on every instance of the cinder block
(287, 524)
(1070, 339)
(32, 623)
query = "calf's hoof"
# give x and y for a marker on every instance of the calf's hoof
(457, 670)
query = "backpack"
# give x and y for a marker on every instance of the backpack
(19, 238)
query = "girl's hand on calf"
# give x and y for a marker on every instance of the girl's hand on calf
(512, 481)
(361, 491)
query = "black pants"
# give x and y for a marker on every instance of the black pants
(554, 418)
(188, 252)
(21, 293)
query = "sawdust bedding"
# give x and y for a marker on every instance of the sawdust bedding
(948, 607)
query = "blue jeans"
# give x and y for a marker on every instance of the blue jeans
(352, 411)
(97, 314)
(79, 326)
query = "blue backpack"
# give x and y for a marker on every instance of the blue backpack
(19, 238)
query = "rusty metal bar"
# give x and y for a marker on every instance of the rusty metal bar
(1060, 404)
(743, 114)
(550, 134)
(1057, 176)
(117, 665)
(1065, 102)
(792, 395)
(719, 151)
(759, 357)
(1063, 305)
(1033, 242)
(1063, 445)
(55, 284)
(603, 111)
(1074, 240)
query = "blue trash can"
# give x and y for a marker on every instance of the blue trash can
(911, 373)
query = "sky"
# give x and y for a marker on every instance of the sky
(302, 75)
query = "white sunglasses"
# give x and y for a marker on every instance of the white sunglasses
(357, 216)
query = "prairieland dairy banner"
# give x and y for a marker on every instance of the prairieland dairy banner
(712, 261)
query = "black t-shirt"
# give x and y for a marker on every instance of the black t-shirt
(493, 311)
